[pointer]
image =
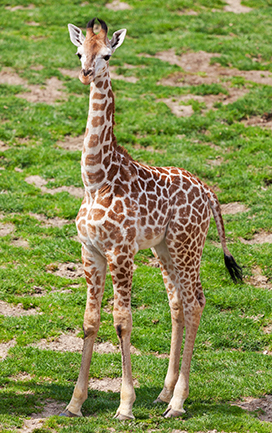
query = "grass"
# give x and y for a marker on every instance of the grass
(229, 361)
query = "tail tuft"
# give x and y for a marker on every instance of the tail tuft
(234, 269)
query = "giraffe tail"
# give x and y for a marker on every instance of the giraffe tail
(234, 269)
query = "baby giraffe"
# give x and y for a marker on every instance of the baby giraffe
(130, 206)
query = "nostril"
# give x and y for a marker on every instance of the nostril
(86, 72)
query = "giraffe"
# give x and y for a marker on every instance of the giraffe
(130, 206)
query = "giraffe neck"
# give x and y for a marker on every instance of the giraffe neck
(99, 141)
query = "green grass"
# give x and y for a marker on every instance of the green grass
(229, 361)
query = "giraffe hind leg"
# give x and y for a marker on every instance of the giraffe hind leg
(177, 318)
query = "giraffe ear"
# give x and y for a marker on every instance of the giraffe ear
(76, 35)
(117, 39)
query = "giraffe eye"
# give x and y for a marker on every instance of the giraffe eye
(106, 58)
(79, 55)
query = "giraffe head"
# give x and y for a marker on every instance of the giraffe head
(94, 50)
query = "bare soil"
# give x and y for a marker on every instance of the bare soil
(6, 229)
(236, 7)
(39, 182)
(108, 384)
(52, 91)
(7, 309)
(263, 405)
(259, 280)
(258, 238)
(116, 5)
(233, 208)
(51, 408)
(49, 94)
(72, 143)
(115, 76)
(4, 348)
(50, 222)
(180, 110)
(198, 70)
(66, 270)
(264, 121)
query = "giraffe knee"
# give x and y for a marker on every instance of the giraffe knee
(122, 324)
(91, 324)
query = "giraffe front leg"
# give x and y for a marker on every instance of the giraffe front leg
(122, 280)
(95, 271)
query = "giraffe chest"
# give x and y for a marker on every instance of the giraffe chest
(107, 223)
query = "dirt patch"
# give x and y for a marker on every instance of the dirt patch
(233, 208)
(263, 404)
(4, 348)
(180, 110)
(17, 8)
(115, 76)
(107, 384)
(72, 143)
(149, 149)
(36, 180)
(6, 229)
(198, 70)
(72, 73)
(116, 5)
(50, 222)
(3, 148)
(50, 408)
(236, 7)
(66, 270)
(264, 121)
(259, 280)
(258, 238)
(20, 242)
(63, 343)
(49, 94)
(71, 343)
(39, 182)
(8, 76)
(7, 309)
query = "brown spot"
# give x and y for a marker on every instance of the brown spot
(148, 233)
(110, 94)
(118, 207)
(112, 172)
(98, 121)
(96, 177)
(105, 201)
(106, 84)
(99, 84)
(82, 228)
(94, 140)
(99, 107)
(98, 96)
(82, 212)
(93, 159)
(97, 214)
(102, 135)
(109, 134)
(110, 111)
(131, 234)
(116, 217)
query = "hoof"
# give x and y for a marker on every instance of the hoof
(121, 417)
(69, 414)
(171, 413)
(159, 401)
